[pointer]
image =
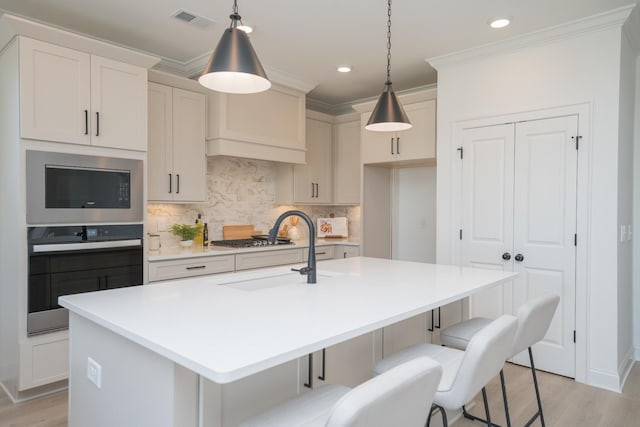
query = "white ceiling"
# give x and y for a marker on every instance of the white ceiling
(307, 40)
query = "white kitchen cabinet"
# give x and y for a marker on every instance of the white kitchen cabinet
(181, 268)
(311, 182)
(346, 251)
(177, 165)
(268, 258)
(406, 333)
(322, 253)
(44, 359)
(94, 101)
(269, 125)
(415, 145)
(346, 163)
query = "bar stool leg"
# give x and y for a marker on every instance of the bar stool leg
(443, 414)
(487, 421)
(535, 384)
(504, 398)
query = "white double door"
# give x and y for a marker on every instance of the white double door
(519, 214)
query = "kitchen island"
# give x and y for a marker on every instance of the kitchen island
(163, 352)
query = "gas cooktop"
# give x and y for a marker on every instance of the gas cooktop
(249, 243)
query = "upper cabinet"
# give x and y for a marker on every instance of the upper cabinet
(346, 162)
(311, 182)
(177, 165)
(269, 125)
(75, 97)
(415, 145)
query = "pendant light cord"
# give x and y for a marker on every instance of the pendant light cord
(388, 83)
(235, 17)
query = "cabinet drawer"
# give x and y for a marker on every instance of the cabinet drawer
(268, 259)
(175, 269)
(323, 252)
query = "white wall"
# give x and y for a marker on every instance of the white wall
(625, 208)
(578, 69)
(636, 219)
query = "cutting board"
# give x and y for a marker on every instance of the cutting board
(235, 232)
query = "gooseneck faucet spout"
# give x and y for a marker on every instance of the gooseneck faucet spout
(310, 269)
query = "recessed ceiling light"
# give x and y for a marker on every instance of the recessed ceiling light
(344, 68)
(499, 22)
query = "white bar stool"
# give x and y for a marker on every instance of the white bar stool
(465, 373)
(400, 397)
(534, 318)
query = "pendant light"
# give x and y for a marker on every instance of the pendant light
(388, 115)
(234, 66)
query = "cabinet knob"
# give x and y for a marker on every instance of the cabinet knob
(519, 258)
(506, 256)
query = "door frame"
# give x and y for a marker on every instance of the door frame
(583, 111)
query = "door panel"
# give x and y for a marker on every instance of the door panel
(519, 198)
(545, 225)
(487, 210)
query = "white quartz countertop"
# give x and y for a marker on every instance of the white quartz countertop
(228, 326)
(182, 253)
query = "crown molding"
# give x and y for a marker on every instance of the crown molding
(194, 67)
(614, 18)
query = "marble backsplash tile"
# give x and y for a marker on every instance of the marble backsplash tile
(239, 191)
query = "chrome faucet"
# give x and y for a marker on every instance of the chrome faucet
(310, 269)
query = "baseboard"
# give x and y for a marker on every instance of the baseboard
(605, 380)
(625, 367)
(11, 389)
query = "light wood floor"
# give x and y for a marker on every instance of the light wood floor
(565, 402)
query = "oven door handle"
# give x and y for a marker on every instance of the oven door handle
(59, 247)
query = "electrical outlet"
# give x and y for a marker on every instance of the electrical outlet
(623, 233)
(94, 372)
(629, 234)
(162, 224)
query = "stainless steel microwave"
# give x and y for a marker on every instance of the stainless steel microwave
(77, 189)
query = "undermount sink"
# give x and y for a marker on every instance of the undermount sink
(288, 278)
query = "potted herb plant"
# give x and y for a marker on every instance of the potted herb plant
(186, 232)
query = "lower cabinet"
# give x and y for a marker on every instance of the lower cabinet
(406, 333)
(268, 259)
(176, 269)
(43, 360)
(346, 251)
(322, 252)
(348, 363)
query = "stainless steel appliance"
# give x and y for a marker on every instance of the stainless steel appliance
(78, 189)
(259, 240)
(75, 259)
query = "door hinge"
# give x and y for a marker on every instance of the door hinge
(577, 138)
(461, 234)
(574, 336)
(575, 240)
(461, 150)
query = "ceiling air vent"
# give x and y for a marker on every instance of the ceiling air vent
(192, 19)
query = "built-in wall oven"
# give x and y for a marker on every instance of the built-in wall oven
(67, 260)
(67, 188)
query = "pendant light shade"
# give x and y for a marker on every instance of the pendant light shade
(234, 66)
(388, 114)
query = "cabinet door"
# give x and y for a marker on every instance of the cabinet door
(54, 92)
(118, 104)
(319, 159)
(348, 363)
(160, 150)
(346, 163)
(418, 142)
(189, 158)
(406, 333)
(377, 147)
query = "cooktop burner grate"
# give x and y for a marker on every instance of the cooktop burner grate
(249, 243)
